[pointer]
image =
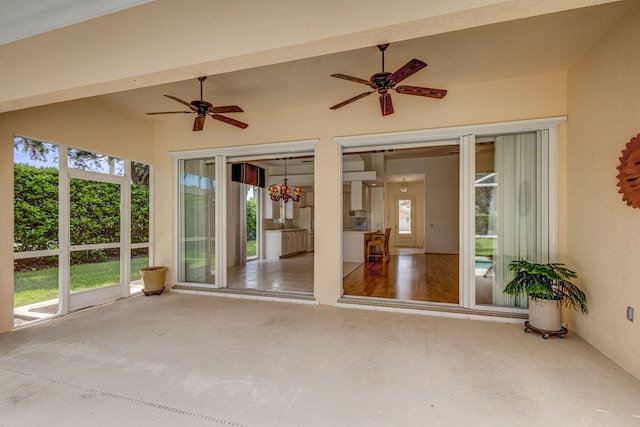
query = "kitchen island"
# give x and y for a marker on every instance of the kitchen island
(354, 244)
(285, 242)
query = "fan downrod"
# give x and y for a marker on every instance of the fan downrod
(382, 48)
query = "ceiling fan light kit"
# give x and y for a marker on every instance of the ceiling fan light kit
(203, 109)
(384, 81)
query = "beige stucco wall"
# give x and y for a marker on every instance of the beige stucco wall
(82, 124)
(87, 125)
(514, 99)
(602, 231)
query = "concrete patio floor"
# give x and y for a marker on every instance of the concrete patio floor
(188, 360)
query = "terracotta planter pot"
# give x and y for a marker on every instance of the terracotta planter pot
(545, 314)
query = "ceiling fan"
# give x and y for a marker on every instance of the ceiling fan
(384, 81)
(202, 108)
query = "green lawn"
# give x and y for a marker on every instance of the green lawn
(42, 285)
(251, 248)
(484, 246)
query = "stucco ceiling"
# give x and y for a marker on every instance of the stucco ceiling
(543, 44)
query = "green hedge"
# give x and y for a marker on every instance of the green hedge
(35, 208)
(94, 212)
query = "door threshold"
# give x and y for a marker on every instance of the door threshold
(436, 309)
(246, 294)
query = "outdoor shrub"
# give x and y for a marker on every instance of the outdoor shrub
(94, 209)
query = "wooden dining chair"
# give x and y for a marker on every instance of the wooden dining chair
(375, 247)
(378, 246)
(387, 254)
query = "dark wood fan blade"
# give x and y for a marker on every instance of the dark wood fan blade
(421, 91)
(352, 79)
(230, 121)
(171, 112)
(198, 123)
(226, 109)
(191, 107)
(350, 100)
(408, 69)
(385, 104)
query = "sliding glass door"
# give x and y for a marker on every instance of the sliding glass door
(489, 200)
(197, 216)
(511, 211)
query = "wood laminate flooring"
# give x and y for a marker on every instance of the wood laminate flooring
(410, 277)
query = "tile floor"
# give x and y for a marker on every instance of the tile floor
(187, 360)
(294, 274)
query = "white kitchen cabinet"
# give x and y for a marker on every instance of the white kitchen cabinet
(356, 196)
(270, 208)
(287, 245)
(279, 209)
(354, 245)
(301, 241)
(283, 243)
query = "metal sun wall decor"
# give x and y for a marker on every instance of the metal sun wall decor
(629, 173)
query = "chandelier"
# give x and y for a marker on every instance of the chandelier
(282, 191)
(403, 186)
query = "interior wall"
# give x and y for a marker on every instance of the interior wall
(81, 124)
(604, 113)
(442, 198)
(415, 189)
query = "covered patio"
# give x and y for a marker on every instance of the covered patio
(179, 359)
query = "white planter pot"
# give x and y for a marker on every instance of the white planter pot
(545, 315)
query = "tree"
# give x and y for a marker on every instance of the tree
(80, 159)
(251, 219)
(37, 150)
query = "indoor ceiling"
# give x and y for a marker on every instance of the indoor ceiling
(544, 44)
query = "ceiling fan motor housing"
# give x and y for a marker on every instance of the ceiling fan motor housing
(381, 82)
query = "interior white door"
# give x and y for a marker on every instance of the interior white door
(405, 235)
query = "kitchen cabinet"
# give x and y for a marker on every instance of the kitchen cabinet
(279, 209)
(356, 196)
(359, 197)
(354, 245)
(286, 242)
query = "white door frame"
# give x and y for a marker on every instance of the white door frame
(221, 156)
(82, 299)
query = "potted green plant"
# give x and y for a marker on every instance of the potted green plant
(548, 286)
